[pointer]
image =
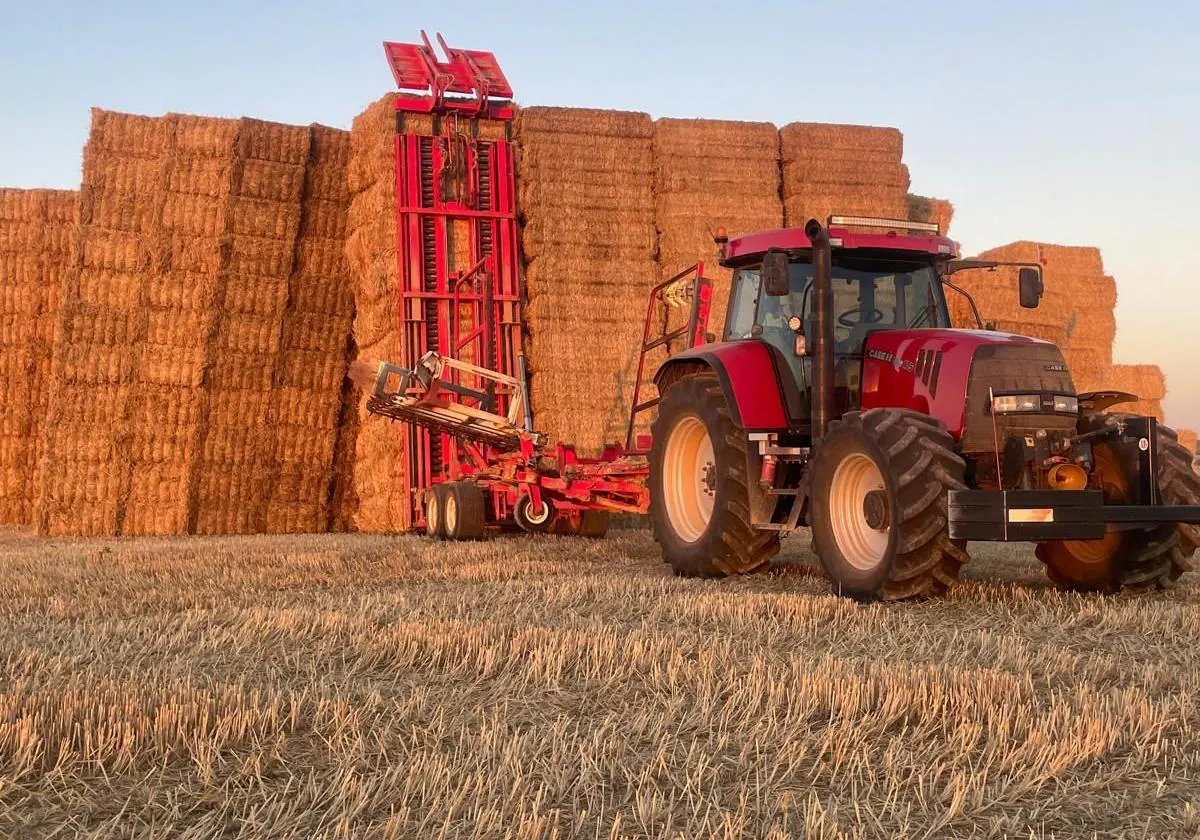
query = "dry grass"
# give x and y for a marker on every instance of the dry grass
(361, 686)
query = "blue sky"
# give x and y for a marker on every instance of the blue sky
(1066, 122)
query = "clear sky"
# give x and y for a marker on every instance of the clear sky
(1069, 122)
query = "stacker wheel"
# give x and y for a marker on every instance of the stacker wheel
(435, 506)
(535, 522)
(593, 523)
(464, 511)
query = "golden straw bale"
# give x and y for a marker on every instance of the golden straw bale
(590, 122)
(847, 173)
(937, 210)
(196, 136)
(798, 138)
(129, 135)
(270, 180)
(276, 142)
(1087, 367)
(195, 176)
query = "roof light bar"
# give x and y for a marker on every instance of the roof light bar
(869, 221)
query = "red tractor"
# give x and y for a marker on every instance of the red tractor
(841, 398)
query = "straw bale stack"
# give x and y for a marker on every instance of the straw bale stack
(1078, 302)
(710, 174)
(379, 482)
(182, 292)
(37, 241)
(938, 210)
(586, 181)
(257, 221)
(104, 318)
(843, 169)
(311, 363)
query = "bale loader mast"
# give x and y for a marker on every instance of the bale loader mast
(842, 398)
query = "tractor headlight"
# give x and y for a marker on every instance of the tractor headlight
(1016, 403)
(1066, 405)
(1033, 403)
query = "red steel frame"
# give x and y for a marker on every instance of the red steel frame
(454, 176)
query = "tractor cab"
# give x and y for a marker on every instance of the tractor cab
(881, 282)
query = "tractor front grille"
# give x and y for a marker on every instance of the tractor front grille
(1008, 369)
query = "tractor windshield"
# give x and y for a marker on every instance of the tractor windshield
(865, 298)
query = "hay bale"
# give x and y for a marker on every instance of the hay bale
(581, 380)
(32, 266)
(937, 210)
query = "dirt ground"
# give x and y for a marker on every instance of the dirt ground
(362, 686)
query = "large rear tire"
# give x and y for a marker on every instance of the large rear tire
(878, 501)
(1149, 558)
(699, 501)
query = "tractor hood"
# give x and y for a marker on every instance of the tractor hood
(948, 373)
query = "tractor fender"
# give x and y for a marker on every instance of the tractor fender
(748, 375)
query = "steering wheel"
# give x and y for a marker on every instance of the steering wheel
(846, 321)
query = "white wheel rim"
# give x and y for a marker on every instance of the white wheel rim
(451, 513)
(539, 519)
(431, 513)
(689, 478)
(863, 547)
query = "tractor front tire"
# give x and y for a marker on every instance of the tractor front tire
(878, 505)
(699, 498)
(1143, 559)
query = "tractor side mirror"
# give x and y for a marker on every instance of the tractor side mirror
(774, 273)
(1029, 281)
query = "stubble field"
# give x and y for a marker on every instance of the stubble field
(354, 686)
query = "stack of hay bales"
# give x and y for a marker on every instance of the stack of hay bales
(107, 291)
(177, 313)
(380, 483)
(1076, 312)
(586, 192)
(710, 174)
(37, 241)
(938, 210)
(1147, 382)
(842, 169)
(174, 316)
(311, 365)
(237, 444)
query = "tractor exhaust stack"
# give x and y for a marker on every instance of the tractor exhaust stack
(822, 340)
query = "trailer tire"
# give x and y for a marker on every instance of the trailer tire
(879, 505)
(465, 512)
(1145, 559)
(435, 506)
(529, 522)
(699, 498)
(593, 524)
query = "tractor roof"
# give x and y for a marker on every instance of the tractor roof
(928, 242)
